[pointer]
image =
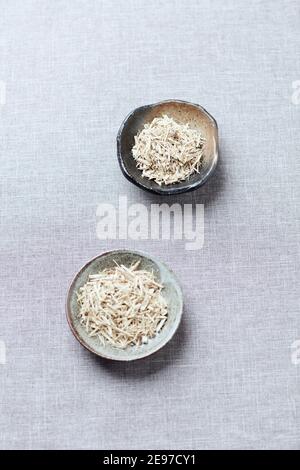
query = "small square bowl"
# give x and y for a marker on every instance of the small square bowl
(171, 292)
(180, 111)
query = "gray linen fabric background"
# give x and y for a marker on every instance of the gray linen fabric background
(70, 71)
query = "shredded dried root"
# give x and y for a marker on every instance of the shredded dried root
(168, 152)
(122, 306)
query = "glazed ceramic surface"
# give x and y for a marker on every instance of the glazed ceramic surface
(171, 292)
(183, 112)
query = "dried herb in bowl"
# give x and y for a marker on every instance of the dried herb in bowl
(122, 306)
(167, 151)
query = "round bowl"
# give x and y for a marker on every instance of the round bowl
(183, 112)
(172, 293)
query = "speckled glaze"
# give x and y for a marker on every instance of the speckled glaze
(172, 293)
(181, 111)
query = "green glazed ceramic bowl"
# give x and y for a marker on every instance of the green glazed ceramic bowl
(172, 293)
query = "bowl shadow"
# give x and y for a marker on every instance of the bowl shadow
(138, 369)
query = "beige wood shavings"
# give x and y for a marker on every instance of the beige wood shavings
(122, 306)
(168, 152)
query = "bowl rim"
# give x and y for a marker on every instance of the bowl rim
(179, 190)
(83, 343)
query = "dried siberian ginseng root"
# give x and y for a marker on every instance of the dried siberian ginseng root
(168, 152)
(122, 306)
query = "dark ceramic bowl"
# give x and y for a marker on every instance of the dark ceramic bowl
(183, 112)
(171, 292)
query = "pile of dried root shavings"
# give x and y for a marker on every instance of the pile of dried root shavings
(168, 152)
(122, 306)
